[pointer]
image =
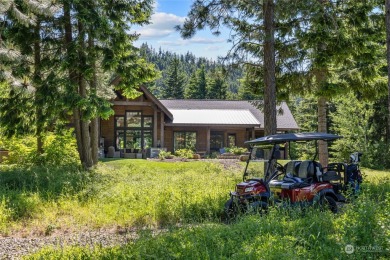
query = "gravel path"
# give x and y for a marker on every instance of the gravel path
(15, 248)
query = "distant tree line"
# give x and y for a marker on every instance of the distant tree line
(190, 77)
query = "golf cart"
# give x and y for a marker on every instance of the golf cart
(298, 183)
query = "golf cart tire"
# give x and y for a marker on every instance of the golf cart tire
(329, 202)
(229, 211)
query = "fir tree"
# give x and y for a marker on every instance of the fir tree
(216, 85)
(175, 81)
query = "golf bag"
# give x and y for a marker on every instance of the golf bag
(354, 176)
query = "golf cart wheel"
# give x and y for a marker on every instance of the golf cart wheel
(230, 210)
(328, 203)
(259, 207)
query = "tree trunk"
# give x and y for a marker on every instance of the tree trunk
(84, 130)
(269, 70)
(269, 77)
(84, 122)
(37, 82)
(94, 121)
(387, 8)
(322, 127)
(73, 77)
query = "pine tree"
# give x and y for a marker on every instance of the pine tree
(339, 52)
(32, 72)
(96, 41)
(192, 87)
(106, 25)
(202, 83)
(216, 85)
(175, 81)
(253, 24)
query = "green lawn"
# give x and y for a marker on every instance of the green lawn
(186, 199)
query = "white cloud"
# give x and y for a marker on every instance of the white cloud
(162, 25)
(181, 42)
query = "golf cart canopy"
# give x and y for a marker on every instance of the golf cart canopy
(294, 137)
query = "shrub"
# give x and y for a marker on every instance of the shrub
(164, 155)
(59, 149)
(236, 150)
(185, 153)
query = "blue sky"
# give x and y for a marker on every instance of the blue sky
(161, 32)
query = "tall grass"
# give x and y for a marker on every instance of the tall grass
(282, 234)
(125, 193)
(186, 198)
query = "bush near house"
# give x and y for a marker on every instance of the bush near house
(236, 150)
(162, 155)
(185, 153)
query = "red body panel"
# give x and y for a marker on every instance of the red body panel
(253, 187)
(302, 194)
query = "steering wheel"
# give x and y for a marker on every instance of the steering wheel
(279, 167)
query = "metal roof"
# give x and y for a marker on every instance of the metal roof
(285, 120)
(213, 117)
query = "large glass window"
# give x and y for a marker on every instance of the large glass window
(120, 139)
(231, 140)
(133, 119)
(133, 139)
(148, 139)
(133, 131)
(148, 122)
(216, 141)
(184, 140)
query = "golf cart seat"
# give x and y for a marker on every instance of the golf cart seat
(331, 176)
(310, 171)
(292, 167)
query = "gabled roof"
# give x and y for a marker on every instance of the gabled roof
(150, 96)
(147, 93)
(211, 110)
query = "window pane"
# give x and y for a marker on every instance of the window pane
(231, 140)
(216, 141)
(133, 139)
(120, 121)
(148, 122)
(191, 140)
(148, 139)
(120, 139)
(184, 140)
(133, 119)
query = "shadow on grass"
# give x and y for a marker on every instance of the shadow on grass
(23, 188)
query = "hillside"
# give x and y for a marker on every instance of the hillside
(189, 64)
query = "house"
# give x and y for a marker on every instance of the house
(205, 125)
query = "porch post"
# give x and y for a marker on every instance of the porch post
(162, 129)
(155, 126)
(253, 133)
(208, 140)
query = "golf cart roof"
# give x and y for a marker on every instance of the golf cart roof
(295, 137)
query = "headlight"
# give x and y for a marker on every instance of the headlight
(249, 189)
